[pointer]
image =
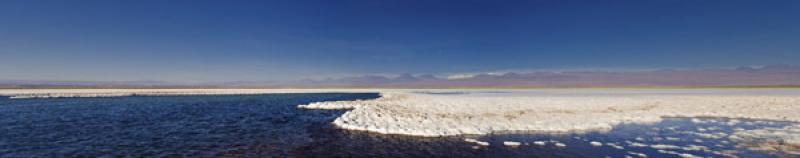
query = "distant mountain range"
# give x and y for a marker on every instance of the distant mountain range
(772, 75)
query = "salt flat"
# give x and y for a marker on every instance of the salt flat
(572, 110)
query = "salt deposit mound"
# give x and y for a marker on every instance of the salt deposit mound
(422, 114)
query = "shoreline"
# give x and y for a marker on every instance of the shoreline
(441, 112)
(477, 112)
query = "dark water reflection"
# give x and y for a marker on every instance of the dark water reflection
(272, 126)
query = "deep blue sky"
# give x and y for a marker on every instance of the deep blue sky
(198, 41)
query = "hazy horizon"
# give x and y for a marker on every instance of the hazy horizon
(769, 75)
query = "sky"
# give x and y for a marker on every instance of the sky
(218, 41)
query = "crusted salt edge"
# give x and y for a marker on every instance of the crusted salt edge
(780, 140)
(512, 143)
(443, 115)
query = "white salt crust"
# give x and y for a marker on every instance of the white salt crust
(512, 143)
(779, 140)
(434, 115)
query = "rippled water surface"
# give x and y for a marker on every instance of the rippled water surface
(209, 126)
(272, 126)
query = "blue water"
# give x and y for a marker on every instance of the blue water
(271, 126)
(191, 126)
